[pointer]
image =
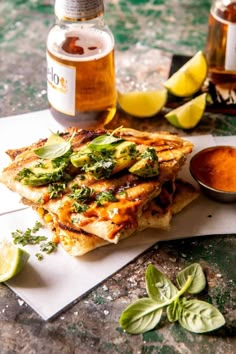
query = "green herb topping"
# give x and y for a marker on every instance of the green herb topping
(100, 166)
(106, 196)
(49, 172)
(56, 190)
(150, 154)
(82, 193)
(102, 157)
(79, 208)
(29, 237)
(48, 247)
(39, 256)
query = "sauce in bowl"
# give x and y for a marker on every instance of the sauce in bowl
(215, 167)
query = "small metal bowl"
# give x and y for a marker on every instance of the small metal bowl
(200, 164)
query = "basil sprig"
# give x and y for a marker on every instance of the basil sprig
(55, 147)
(192, 314)
(104, 142)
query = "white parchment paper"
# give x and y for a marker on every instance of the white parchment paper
(51, 285)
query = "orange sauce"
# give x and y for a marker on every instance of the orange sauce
(216, 168)
(120, 213)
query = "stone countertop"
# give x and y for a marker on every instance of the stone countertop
(147, 33)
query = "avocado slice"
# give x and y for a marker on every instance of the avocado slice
(124, 156)
(80, 158)
(147, 166)
(45, 172)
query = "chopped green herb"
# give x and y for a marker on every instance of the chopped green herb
(79, 208)
(61, 161)
(27, 237)
(75, 219)
(56, 190)
(82, 193)
(37, 226)
(25, 172)
(100, 168)
(106, 196)
(150, 154)
(48, 247)
(133, 151)
(39, 256)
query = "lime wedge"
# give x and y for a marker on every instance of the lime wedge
(12, 260)
(142, 104)
(189, 78)
(189, 114)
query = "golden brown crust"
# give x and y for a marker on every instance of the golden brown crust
(175, 196)
(185, 194)
(107, 223)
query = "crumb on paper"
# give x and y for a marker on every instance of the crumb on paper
(20, 302)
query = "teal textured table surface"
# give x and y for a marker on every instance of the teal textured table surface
(147, 34)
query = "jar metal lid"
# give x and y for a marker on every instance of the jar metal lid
(78, 10)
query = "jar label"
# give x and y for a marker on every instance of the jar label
(61, 83)
(230, 54)
(78, 9)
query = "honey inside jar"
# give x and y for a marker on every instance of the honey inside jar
(216, 168)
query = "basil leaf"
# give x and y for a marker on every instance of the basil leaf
(53, 151)
(54, 138)
(198, 282)
(55, 147)
(104, 142)
(159, 287)
(141, 316)
(173, 311)
(199, 316)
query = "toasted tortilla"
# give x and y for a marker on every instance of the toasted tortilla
(138, 202)
(174, 197)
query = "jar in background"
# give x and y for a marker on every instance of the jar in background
(80, 65)
(221, 43)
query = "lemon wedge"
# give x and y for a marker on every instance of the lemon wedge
(12, 260)
(189, 78)
(189, 114)
(110, 114)
(142, 104)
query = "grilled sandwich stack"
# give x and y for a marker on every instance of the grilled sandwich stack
(93, 188)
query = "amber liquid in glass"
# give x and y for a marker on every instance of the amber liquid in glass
(95, 93)
(219, 21)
